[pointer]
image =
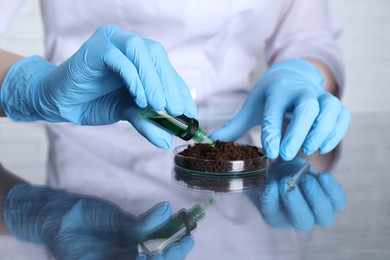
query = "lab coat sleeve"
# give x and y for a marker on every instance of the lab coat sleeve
(308, 28)
(8, 9)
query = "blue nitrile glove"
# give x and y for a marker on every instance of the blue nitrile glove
(175, 252)
(314, 202)
(106, 80)
(80, 227)
(294, 86)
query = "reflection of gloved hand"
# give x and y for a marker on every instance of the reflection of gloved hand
(315, 202)
(75, 227)
(319, 120)
(175, 252)
(99, 84)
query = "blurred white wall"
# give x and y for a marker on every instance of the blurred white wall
(365, 42)
(25, 34)
(366, 46)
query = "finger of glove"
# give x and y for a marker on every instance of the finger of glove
(324, 124)
(103, 215)
(177, 251)
(177, 94)
(135, 49)
(305, 112)
(124, 68)
(78, 245)
(107, 109)
(298, 211)
(114, 107)
(318, 200)
(180, 250)
(100, 219)
(338, 132)
(141, 256)
(240, 124)
(274, 111)
(271, 208)
(333, 189)
(154, 217)
(153, 133)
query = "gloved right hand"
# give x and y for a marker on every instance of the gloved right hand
(80, 227)
(106, 80)
(292, 88)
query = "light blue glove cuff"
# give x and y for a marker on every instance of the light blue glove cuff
(29, 209)
(17, 92)
(296, 68)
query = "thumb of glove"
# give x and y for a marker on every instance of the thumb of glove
(154, 218)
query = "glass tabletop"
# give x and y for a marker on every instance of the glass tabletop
(340, 210)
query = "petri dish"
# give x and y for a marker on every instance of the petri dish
(219, 175)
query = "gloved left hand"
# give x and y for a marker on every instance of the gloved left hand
(79, 227)
(108, 79)
(314, 202)
(319, 120)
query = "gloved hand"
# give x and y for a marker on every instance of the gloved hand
(175, 252)
(319, 120)
(76, 227)
(314, 202)
(106, 80)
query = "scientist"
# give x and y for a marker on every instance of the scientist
(215, 47)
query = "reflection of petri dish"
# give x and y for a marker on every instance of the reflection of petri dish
(219, 175)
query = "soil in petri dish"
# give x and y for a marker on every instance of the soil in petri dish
(219, 157)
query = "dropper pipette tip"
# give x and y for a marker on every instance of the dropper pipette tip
(208, 204)
(209, 141)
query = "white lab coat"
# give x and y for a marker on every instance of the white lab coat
(215, 46)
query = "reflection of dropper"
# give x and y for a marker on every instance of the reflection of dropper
(179, 226)
(197, 212)
(184, 127)
(293, 182)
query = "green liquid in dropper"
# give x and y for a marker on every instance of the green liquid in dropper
(180, 126)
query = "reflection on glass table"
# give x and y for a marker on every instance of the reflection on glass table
(74, 226)
(80, 227)
(315, 200)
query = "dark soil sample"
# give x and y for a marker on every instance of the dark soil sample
(223, 157)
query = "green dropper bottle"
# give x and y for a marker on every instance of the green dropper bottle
(182, 126)
(179, 226)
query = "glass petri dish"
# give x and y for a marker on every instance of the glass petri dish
(219, 175)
